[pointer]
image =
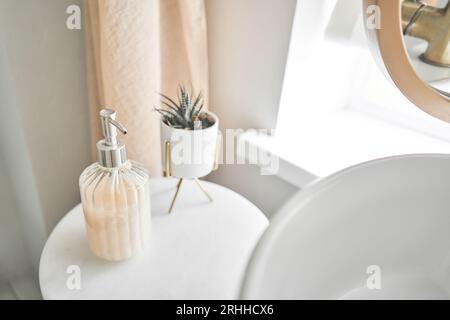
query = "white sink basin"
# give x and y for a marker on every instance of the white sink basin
(391, 214)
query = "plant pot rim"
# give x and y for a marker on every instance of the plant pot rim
(209, 113)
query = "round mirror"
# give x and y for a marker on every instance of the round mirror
(411, 38)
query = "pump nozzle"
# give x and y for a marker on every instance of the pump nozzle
(109, 126)
(111, 152)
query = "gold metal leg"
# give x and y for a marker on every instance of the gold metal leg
(204, 190)
(176, 195)
(167, 164)
(180, 183)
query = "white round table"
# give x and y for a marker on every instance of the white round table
(199, 251)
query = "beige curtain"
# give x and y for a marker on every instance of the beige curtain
(137, 48)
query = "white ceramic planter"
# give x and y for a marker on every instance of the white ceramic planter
(192, 152)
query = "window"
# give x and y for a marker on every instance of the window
(337, 108)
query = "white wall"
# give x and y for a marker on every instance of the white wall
(44, 127)
(248, 46)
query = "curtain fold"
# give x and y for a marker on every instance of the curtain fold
(137, 48)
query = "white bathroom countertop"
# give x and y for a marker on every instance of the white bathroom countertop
(200, 251)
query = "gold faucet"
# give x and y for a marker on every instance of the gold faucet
(432, 24)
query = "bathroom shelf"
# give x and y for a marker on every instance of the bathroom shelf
(345, 138)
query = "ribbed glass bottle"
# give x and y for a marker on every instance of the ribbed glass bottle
(116, 205)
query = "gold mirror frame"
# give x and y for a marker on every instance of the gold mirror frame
(390, 51)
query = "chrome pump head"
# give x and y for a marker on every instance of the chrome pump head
(111, 153)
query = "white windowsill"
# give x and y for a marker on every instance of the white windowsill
(343, 139)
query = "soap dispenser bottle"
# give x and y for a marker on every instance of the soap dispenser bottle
(115, 197)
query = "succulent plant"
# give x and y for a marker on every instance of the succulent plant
(186, 113)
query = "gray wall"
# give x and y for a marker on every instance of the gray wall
(248, 46)
(44, 127)
(47, 72)
(13, 252)
(268, 193)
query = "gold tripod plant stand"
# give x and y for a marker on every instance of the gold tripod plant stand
(168, 173)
